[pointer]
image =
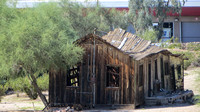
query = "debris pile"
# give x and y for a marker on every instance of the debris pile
(164, 98)
(72, 108)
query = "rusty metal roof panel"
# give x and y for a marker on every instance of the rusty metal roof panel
(132, 43)
(115, 37)
(120, 38)
(135, 46)
(138, 45)
(127, 45)
(142, 46)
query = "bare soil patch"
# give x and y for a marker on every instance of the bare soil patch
(23, 102)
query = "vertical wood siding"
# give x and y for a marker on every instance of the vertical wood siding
(104, 55)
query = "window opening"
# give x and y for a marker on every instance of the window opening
(112, 76)
(166, 68)
(149, 72)
(179, 71)
(173, 78)
(162, 73)
(73, 76)
(141, 75)
(156, 70)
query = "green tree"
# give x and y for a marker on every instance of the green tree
(37, 39)
(163, 8)
(6, 16)
(86, 18)
(141, 13)
(114, 18)
(150, 34)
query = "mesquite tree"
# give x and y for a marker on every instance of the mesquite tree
(141, 13)
(162, 9)
(86, 18)
(36, 39)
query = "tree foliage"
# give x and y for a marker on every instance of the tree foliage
(162, 10)
(37, 39)
(150, 34)
(141, 13)
(7, 15)
(86, 18)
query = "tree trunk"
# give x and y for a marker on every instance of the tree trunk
(160, 28)
(42, 97)
(160, 32)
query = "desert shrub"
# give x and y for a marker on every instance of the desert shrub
(2, 91)
(150, 34)
(176, 40)
(193, 46)
(174, 45)
(166, 43)
(191, 58)
(189, 55)
(22, 84)
(18, 84)
(196, 63)
(43, 82)
(187, 63)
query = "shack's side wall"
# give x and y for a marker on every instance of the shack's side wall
(179, 72)
(164, 72)
(148, 88)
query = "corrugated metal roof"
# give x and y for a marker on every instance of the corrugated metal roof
(129, 43)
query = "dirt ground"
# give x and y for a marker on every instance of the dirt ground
(23, 102)
(14, 103)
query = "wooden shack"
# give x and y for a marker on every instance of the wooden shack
(118, 68)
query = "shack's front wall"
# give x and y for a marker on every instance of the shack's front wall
(57, 88)
(105, 56)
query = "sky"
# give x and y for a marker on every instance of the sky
(104, 3)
